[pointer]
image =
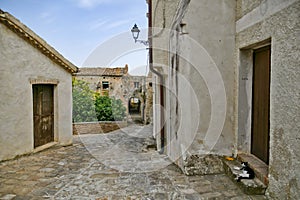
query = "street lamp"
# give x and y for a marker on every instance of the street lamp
(135, 34)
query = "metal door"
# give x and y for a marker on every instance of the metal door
(261, 104)
(43, 114)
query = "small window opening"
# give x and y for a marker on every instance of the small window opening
(136, 85)
(105, 85)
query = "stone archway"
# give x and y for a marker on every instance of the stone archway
(134, 106)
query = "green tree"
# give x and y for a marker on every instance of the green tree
(109, 109)
(118, 109)
(83, 102)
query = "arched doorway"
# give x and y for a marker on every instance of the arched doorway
(134, 106)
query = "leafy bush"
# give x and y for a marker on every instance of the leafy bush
(109, 109)
(89, 106)
(83, 102)
(118, 109)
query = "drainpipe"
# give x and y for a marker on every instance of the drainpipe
(160, 76)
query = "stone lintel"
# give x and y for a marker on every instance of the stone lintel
(44, 81)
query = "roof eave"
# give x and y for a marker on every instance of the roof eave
(37, 42)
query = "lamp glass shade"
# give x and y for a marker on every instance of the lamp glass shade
(135, 32)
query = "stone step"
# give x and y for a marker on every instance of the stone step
(259, 167)
(248, 186)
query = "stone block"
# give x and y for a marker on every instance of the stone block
(248, 186)
(97, 127)
(203, 165)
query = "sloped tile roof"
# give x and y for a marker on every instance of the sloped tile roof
(102, 71)
(33, 39)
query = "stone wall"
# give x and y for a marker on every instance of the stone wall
(120, 87)
(228, 31)
(200, 84)
(148, 113)
(97, 127)
(204, 164)
(163, 13)
(278, 23)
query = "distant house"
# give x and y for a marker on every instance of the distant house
(116, 82)
(35, 91)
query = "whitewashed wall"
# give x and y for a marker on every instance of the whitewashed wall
(20, 63)
(279, 22)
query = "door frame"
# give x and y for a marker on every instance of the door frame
(257, 144)
(245, 94)
(54, 83)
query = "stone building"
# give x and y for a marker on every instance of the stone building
(148, 113)
(230, 76)
(35, 91)
(118, 83)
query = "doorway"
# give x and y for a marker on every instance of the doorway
(43, 114)
(260, 135)
(134, 106)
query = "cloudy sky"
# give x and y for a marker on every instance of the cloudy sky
(81, 30)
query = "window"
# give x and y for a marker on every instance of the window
(136, 84)
(105, 85)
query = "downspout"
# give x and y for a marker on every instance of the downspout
(160, 76)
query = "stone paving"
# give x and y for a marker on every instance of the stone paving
(118, 165)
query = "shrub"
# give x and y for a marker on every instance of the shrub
(109, 109)
(89, 106)
(83, 102)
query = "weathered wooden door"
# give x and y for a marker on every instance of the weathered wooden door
(43, 114)
(261, 103)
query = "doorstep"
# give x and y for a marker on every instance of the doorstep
(248, 186)
(43, 147)
(260, 168)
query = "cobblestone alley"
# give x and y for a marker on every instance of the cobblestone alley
(118, 165)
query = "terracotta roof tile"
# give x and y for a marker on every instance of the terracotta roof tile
(102, 71)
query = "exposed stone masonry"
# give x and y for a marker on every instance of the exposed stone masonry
(97, 127)
(202, 165)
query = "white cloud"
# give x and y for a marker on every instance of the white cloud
(91, 3)
(97, 24)
(108, 24)
(47, 17)
(117, 23)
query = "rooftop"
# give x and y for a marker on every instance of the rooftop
(102, 71)
(34, 40)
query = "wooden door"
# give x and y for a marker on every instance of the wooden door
(261, 103)
(43, 114)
